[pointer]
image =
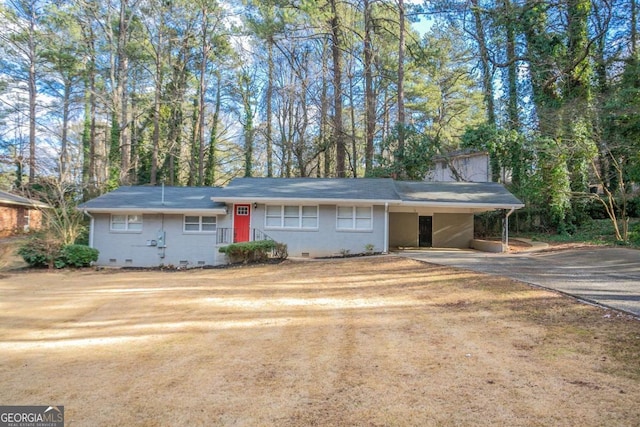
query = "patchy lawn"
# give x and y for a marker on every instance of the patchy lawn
(369, 341)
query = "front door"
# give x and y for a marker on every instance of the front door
(425, 231)
(241, 223)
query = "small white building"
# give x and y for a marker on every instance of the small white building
(464, 165)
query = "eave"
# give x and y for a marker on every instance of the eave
(149, 211)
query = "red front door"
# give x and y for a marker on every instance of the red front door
(241, 223)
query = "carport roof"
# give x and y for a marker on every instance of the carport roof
(490, 195)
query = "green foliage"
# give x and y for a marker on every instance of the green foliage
(508, 149)
(413, 162)
(257, 251)
(76, 256)
(596, 232)
(44, 251)
(40, 251)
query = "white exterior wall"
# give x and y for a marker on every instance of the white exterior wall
(472, 168)
(130, 249)
(183, 249)
(326, 240)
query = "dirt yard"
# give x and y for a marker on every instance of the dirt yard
(377, 341)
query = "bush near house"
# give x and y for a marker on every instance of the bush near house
(76, 256)
(256, 251)
(44, 251)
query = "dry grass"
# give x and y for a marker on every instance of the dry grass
(375, 341)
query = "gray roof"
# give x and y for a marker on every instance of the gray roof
(449, 193)
(317, 189)
(474, 195)
(148, 198)
(12, 199)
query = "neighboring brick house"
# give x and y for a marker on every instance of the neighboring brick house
(19, 214)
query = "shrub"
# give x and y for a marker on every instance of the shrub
(45, 251)
(76, 256)
(257, 251)
(40, 251)
(280, 251)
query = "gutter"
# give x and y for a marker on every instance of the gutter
(386, 229)
(169, 211)
(91, 228)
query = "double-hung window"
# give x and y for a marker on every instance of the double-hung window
(199, 224)
(126, 222)
(291, 216)
(351, 218)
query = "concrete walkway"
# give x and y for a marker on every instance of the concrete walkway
(605, 276)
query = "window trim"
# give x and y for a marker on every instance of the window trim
(127, 227)
(199, 223)
(354, 218)
(300, 217)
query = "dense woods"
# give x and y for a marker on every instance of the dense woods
(100, 94)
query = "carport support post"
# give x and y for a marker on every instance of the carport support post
(505, 230)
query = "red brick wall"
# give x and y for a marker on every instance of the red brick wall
(13, 219)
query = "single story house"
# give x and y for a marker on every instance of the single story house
(19, 214)
(315, 217)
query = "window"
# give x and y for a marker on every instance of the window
(126, 222)
(354, 218)
(242, 210)
(199, 224)
(291, 217)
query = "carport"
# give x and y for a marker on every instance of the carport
(441, 214)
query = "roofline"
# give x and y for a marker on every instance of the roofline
(32, 204)
(392, 202)
(181, 211)
(462, 205)
(305, 200)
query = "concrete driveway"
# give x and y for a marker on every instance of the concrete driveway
(606, 276)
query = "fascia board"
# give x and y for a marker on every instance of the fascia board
(217, 211)
(486, 206)
(33, 205)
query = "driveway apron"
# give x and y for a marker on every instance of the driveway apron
(605, 276)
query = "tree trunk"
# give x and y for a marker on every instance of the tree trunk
(487, 75)
(64, 150)
(369, 95)
(401, 112)
(206, 48)
(153, 179)
(269, 107)
(195, 148)
(512, 71)
(338, 132)
(33, 91)
(210, 176)
(124, 140)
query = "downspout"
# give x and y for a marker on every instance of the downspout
(505, 230)
(386, 228)
(91, 228)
